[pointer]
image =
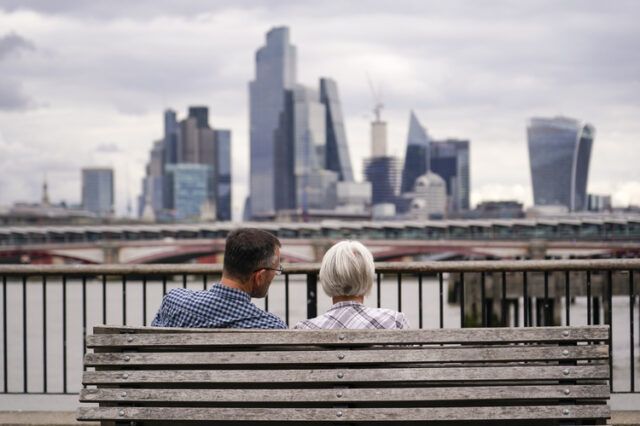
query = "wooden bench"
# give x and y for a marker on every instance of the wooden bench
(149, 375)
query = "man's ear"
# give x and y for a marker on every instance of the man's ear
(257, 279)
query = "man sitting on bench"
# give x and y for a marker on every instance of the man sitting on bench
(251, 261)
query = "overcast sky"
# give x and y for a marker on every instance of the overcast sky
(85, 83)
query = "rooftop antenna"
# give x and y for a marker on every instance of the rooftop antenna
(378, 105)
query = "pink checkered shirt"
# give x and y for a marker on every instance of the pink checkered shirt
(355, 315)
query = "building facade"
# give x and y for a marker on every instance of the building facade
(189, 189)
(275, 73)
(384, 175)
(98, 191)
(298, 141)
(417, 158)
(429, 197)
(559, 155)
(450, 160)
(337, 153)
(191, 141)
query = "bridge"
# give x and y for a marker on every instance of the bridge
(306, 242)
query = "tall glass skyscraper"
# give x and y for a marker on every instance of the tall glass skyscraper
(223, 174)
(417, 158)
(97, 190)
(559, 154)
(337, 153)
(171, 138)
(275, 72)
(450, 160)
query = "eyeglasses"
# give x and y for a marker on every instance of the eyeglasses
(279, 270)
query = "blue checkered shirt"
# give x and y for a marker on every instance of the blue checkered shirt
(218, 307)
(354, 315)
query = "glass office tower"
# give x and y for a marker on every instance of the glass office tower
(189, 186)
(450, 160)
(384, 175)
(337, 154)
(417, 158)
(559, 154)
(97, 190)
(223, 174)
(171, 138)
(275, 72)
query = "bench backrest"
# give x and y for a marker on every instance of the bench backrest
(510, 375)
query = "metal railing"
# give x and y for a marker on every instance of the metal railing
(47, 310)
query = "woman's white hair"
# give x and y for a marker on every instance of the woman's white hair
(347, 269)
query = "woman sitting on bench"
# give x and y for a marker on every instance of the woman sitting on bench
(346, 274)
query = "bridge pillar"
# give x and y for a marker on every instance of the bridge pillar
(110, 253)
(320, 247)
(537, 248)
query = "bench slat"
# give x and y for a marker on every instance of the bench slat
(210, 338)
(346, 375)
(346, 395)
(407, 355)
(345, 414)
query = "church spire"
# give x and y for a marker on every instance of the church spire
(45, 193)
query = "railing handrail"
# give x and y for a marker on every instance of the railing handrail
(304, 268)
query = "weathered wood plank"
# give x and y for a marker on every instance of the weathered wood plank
(345, 414)
(346, 375)
(397, 356)
(347, 395)
(138, 337)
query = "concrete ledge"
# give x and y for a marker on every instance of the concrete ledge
(40, 418)
(68, 418)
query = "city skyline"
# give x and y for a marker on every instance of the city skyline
(84, 84)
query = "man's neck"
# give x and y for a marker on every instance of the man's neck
(230, 282)
(337, 299)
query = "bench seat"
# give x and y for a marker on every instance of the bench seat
(151, 375)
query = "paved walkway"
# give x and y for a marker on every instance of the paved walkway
(68, 418)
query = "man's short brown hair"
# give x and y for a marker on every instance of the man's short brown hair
(247, 250)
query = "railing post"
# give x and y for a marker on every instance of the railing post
(312, 295)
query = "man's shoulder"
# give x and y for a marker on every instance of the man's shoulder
(264, 319)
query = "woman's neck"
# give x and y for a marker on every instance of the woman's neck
(337, 299)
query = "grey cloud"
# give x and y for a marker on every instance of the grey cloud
(12, 96)
(13, 42)
(108, 148)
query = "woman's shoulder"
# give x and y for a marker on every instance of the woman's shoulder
(393, 318)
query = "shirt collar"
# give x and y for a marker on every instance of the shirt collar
(345, 304)
(230, 293)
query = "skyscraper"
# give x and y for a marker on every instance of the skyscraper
(384, 175)
(559, 154)
(190, 142)
(189, 187)
(298, 141)
(337, 153)
(171, 138)
(223, 174)
(275, 72)
(450, 160)
(284, 178)
(381, 170)
(201, 114)
(97, 190)
(417, 158)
